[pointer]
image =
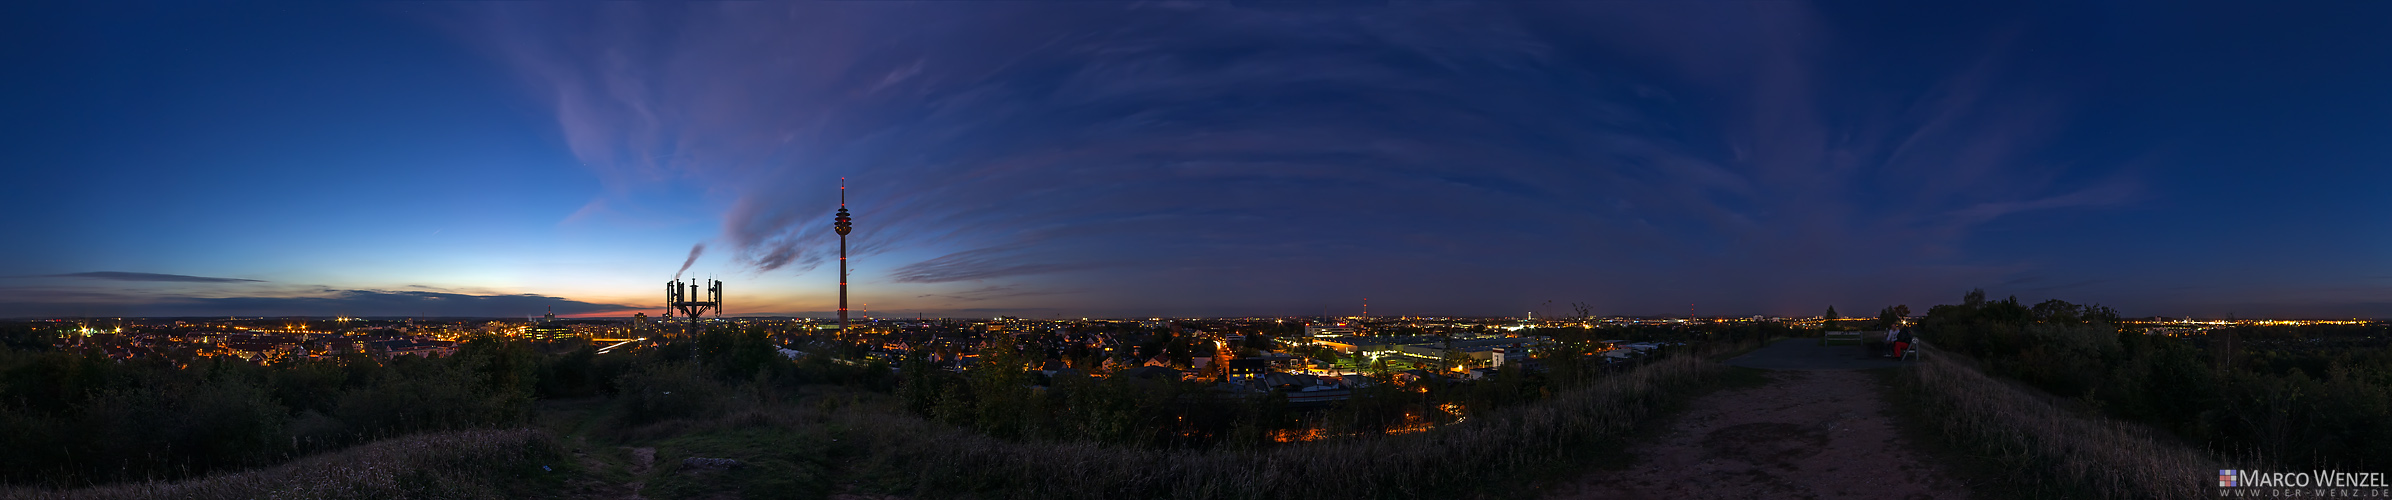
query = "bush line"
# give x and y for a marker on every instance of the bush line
(2053, 451)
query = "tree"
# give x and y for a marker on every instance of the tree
(1891, 317)
(1000, 388)
(920, 387)
(1455, 358)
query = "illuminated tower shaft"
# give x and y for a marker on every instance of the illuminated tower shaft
(842, 283)
(843, 224)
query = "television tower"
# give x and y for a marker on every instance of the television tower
(843, 224)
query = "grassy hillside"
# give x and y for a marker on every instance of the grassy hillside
(2031, 444)
(459, 464)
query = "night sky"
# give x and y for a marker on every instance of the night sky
(1098, 159)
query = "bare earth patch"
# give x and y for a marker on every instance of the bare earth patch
(1805, 434)
(641, 460)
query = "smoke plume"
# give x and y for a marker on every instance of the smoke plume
(694, 252)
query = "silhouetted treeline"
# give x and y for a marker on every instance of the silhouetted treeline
(74, 418)
(2306, 397)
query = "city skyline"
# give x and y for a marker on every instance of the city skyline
(1202, 160)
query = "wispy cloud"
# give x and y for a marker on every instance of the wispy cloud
(2068, 286)
(2090, 197)
(1734, 142)
(126, 276)
(46, 303)
(990, 292)
(979, 264)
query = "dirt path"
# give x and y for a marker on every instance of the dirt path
(1805, 434)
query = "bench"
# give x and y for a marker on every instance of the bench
(1843, 337)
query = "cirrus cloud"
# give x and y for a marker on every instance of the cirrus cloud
(1622, 148)
(127, 276)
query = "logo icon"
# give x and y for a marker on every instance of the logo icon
(2226, 478)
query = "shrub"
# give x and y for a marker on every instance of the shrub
(671, 390)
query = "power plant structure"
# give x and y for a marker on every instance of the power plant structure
(843, 224)
(678, 297)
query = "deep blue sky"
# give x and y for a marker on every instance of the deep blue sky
(1102, 159)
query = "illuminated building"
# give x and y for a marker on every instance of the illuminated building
(547, 328)
(1339, 330)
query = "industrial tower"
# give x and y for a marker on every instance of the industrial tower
(678, 295)
(843, 224)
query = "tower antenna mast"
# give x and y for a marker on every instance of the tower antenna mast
(843, 224)
(684, 297)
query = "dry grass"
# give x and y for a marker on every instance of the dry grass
(1480, 455)
(2050, 450)
(461, 464)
